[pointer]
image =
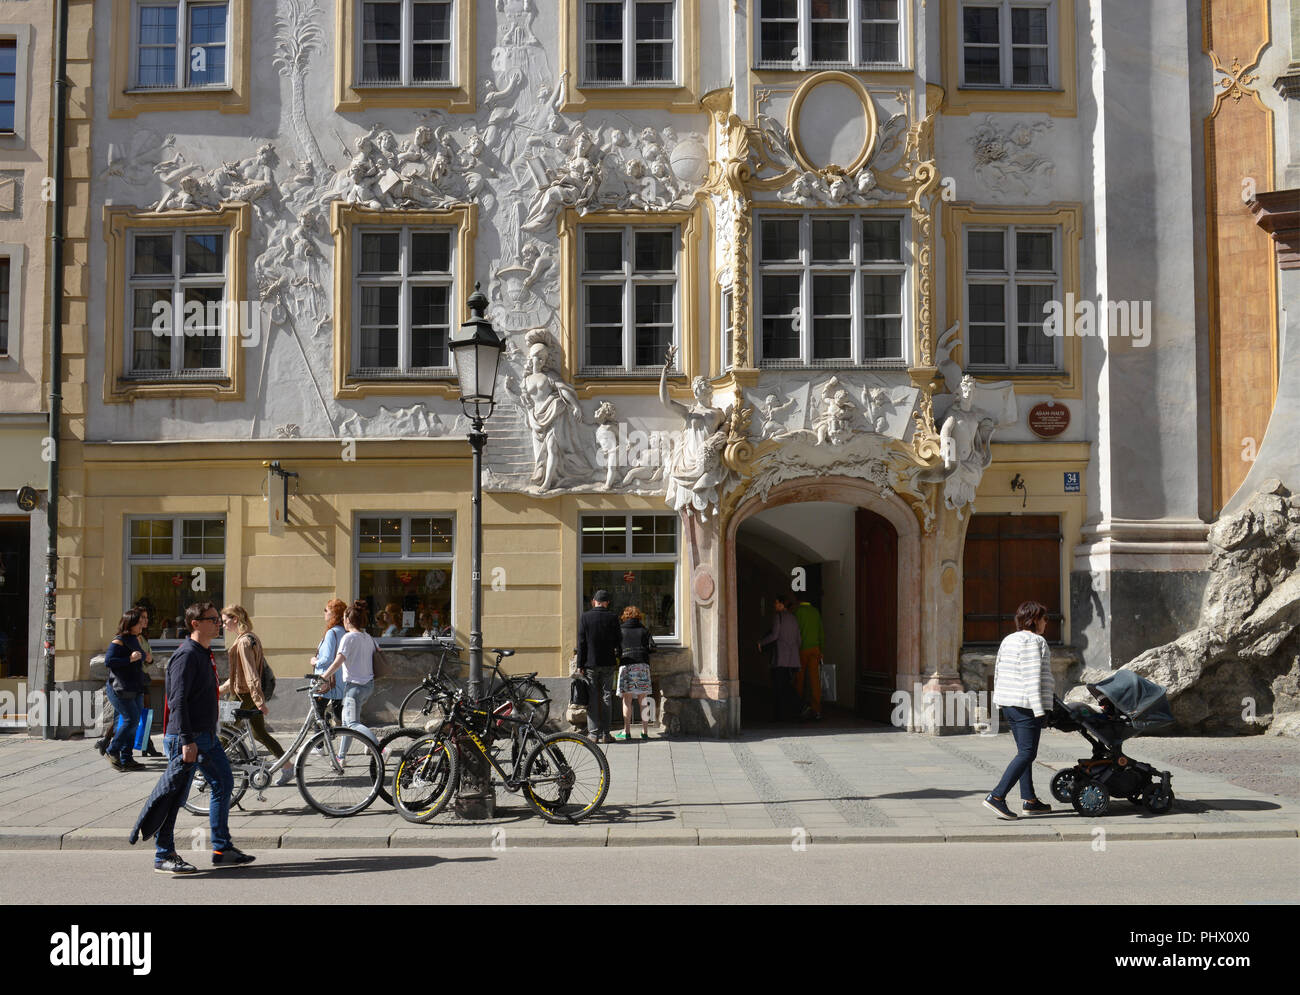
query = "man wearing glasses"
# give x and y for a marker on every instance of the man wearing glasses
(190, 737)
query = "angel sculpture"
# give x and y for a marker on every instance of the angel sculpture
(696, 471)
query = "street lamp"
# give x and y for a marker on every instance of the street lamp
(477, 348)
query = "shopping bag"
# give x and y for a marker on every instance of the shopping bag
(828, 681)
(143, 728)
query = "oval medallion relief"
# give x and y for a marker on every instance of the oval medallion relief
(832, 122)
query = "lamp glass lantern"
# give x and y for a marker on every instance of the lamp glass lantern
(477, 348)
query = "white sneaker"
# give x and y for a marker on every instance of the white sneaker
(286, 775)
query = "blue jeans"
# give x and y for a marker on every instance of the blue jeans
(354, 696)
(128, 717)
(1026, 731)
(216, 768)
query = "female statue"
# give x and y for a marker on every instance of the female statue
(696, 470)
(552, 411)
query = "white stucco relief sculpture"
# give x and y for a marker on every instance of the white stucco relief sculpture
(696, 472)
(832, 186)
(553, 414)
(834, 424)
(969, 415)
(1003, 159)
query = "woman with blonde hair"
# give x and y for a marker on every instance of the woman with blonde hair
(244, 650)
(634, 671)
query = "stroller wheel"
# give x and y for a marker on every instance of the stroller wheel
(1063, 784)
(1091, 799)
(1158, 802)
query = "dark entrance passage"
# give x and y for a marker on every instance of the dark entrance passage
(846, 559)
(15, 549)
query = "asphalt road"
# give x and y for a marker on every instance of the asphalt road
(1221, 872)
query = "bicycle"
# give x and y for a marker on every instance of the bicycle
(563, 777)
(527, 693)
(334, 784)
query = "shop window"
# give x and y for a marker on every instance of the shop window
(404, 571)
(633, 557)
(172, 562)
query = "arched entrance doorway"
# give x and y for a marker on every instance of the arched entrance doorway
(858, 551)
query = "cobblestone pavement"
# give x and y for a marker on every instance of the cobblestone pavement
(845, 782)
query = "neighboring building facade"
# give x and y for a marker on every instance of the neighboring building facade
(841, 224)
(25, 85)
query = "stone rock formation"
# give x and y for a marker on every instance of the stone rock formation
(1239, 670)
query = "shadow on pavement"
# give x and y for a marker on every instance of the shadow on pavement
(332, 865)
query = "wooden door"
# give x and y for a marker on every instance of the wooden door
(876, 579)
(15, 548)
(1010, 559)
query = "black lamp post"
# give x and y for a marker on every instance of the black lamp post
(477, 348)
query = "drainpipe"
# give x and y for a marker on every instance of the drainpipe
(56, 356)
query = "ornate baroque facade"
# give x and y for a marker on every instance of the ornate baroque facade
(774, 287)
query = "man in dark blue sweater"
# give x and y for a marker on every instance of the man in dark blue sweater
(599, 636)
(190, 738)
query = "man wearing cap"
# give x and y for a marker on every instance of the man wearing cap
(599, 637)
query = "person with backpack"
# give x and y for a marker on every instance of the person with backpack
(634, 671)
(247, 662)
(356, 658)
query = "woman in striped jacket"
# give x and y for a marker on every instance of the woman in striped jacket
(1023, 686)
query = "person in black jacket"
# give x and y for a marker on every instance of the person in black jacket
(190, 738)
(599, 638)
(126, 685)
(634, 673)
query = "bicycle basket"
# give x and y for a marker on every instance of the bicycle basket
(226, 710)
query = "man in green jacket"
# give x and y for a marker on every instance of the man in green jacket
(811, 637)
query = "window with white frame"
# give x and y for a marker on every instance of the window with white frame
(832, 289)
(629, 285)
(173, 561)
(634, 558)
(404, 565)
(404, 284)
(180, 45)
(1008, 44)
(406, 42)
(1011, 273)
(628, 42)
(803, 34)
(177, 304)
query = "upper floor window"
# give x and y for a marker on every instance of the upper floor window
(177, 300)
(406, 42)
(802, 34)
(628, 42)
(1011, 273)
(8, 84)
(629, 297)
(1007, 44)
(404, 283)
(180, 45)
(831, 289)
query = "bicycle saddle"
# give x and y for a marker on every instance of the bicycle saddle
(504, 652)
(247, 713)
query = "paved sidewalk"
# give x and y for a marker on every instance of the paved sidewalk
(851, 783)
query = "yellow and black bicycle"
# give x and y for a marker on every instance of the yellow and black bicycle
(563, 777)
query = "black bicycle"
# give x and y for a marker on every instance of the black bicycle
(426, 706)
(563, 777)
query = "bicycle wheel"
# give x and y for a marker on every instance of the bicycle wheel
(199, 798)
(392, 747)
(426, 778)
(337, 787)
(420, 709)
(534, 701)
(565, 778)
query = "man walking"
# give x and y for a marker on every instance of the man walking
(190, 738)
(599, 636)
(811, 638)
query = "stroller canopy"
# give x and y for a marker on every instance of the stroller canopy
(1142, 701)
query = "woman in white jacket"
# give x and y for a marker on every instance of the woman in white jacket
(1023, 686)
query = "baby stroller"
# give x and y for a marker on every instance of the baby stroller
(1131, 705)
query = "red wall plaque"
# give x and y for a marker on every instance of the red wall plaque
(1047, 420)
